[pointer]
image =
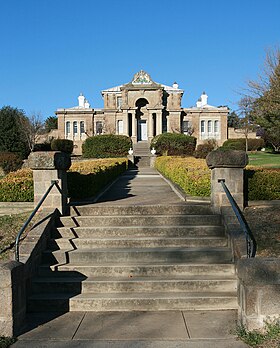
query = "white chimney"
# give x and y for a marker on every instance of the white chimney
(204, 98)
(87, 104)
(175, 85)
(199, 103)
(81, 100)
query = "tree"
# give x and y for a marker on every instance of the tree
(51, 123)
(12, 138)
(266, 98)
(32, 128)
(233, 120)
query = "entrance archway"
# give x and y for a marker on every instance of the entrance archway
(142, 126)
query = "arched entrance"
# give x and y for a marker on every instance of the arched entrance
(142, 119)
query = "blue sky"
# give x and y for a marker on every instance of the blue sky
(51, 50)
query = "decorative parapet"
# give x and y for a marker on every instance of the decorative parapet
(258, 291)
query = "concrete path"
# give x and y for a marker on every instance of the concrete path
(162, 329)
(9, 208)
(170, 329)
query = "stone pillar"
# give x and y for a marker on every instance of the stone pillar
(159, 122)
(150, 126)
(228, 166)
(48, 166)
(133, 120)
(125, 122)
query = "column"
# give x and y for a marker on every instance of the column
(134, 131)
(125, 122)
(159, 122)
(150, 125)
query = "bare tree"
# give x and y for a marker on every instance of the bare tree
(32, 128)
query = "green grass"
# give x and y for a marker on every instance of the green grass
(264, 159)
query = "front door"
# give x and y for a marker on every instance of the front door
(142, 130)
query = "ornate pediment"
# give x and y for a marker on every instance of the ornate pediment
(142, 78)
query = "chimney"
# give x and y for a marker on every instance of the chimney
(204, 98)
(87, 104)
(81, 100)
(175, 85)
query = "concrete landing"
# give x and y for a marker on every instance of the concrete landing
(191, 329)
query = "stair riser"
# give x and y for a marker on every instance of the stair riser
(148, 221)
(131, 304)
(145, 256)
(132, 286)
(140, 210)
(184, 231)
(99, 243)
(139, 271)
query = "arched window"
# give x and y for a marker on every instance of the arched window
(202, 126)
(82, 127)
(75, 127)
(209, 126)
(216, 126)
(67, 127)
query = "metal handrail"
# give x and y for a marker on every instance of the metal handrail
(53, 183)
(250, 239)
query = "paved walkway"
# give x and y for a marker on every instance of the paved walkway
(9, 208)
(162, 329)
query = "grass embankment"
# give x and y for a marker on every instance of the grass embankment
(264, 159)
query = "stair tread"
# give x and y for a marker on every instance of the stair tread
(141, 227)
(121, 238)
(134, 295)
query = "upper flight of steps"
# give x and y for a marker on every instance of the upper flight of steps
(141, 150)
(124, 258)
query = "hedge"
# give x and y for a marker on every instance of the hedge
(17, 187)
(240, 144)
(10, 162)
(174, 144)
(87, 178)
(106, 146)
(191, 174)
(64, 145)
(262, 183)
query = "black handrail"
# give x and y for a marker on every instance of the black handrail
(250, 239)
(53, 183)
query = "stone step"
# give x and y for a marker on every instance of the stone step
(125, 270)
(136, 242)
(133, 301)
(169, 255)
(143, 231)
(136, 220)
(78, 284)
(181, 209)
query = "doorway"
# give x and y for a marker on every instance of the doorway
(142, 130)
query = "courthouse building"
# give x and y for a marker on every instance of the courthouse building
(142, 109)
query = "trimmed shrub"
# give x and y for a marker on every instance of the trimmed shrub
(174, 144)
(42, 147)
(191, 174)
(106, 146)
(87, 178)
(64, 145)
(262, 183)
(10, 162)
(17, 187)
(202, 150)
(240, 144)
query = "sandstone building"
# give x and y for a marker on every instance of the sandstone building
(142, 109)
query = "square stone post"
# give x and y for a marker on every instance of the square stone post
(133, 126)
(228, 166)
(159, 122)
(48, 166)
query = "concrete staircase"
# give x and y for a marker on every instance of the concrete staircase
(141, 150)
(125, 258)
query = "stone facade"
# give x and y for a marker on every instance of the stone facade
(142, 109)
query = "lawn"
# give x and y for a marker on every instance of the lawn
(264, 159)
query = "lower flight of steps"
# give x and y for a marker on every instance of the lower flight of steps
(124, 258)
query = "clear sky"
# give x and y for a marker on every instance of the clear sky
(51, 50)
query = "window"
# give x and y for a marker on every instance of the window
(216, 126)
(209, 126)
(75, 127)
(119, 102)
(202, 126)
(67, 127)
(82, 127)
(120, 127)
(186, 126)
(98, 127)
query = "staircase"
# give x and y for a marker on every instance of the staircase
(141, 150)
(125, 258)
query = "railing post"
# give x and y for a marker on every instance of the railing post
(48, 166)
(227, 165)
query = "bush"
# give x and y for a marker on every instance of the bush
(42, 147)
(10, 162)
(192, 175)
(202, 150)
(262, 183)
(106, 146)
(240, 144)
(17, 187)
(174, 144)
(64, 145)
(87, 178)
